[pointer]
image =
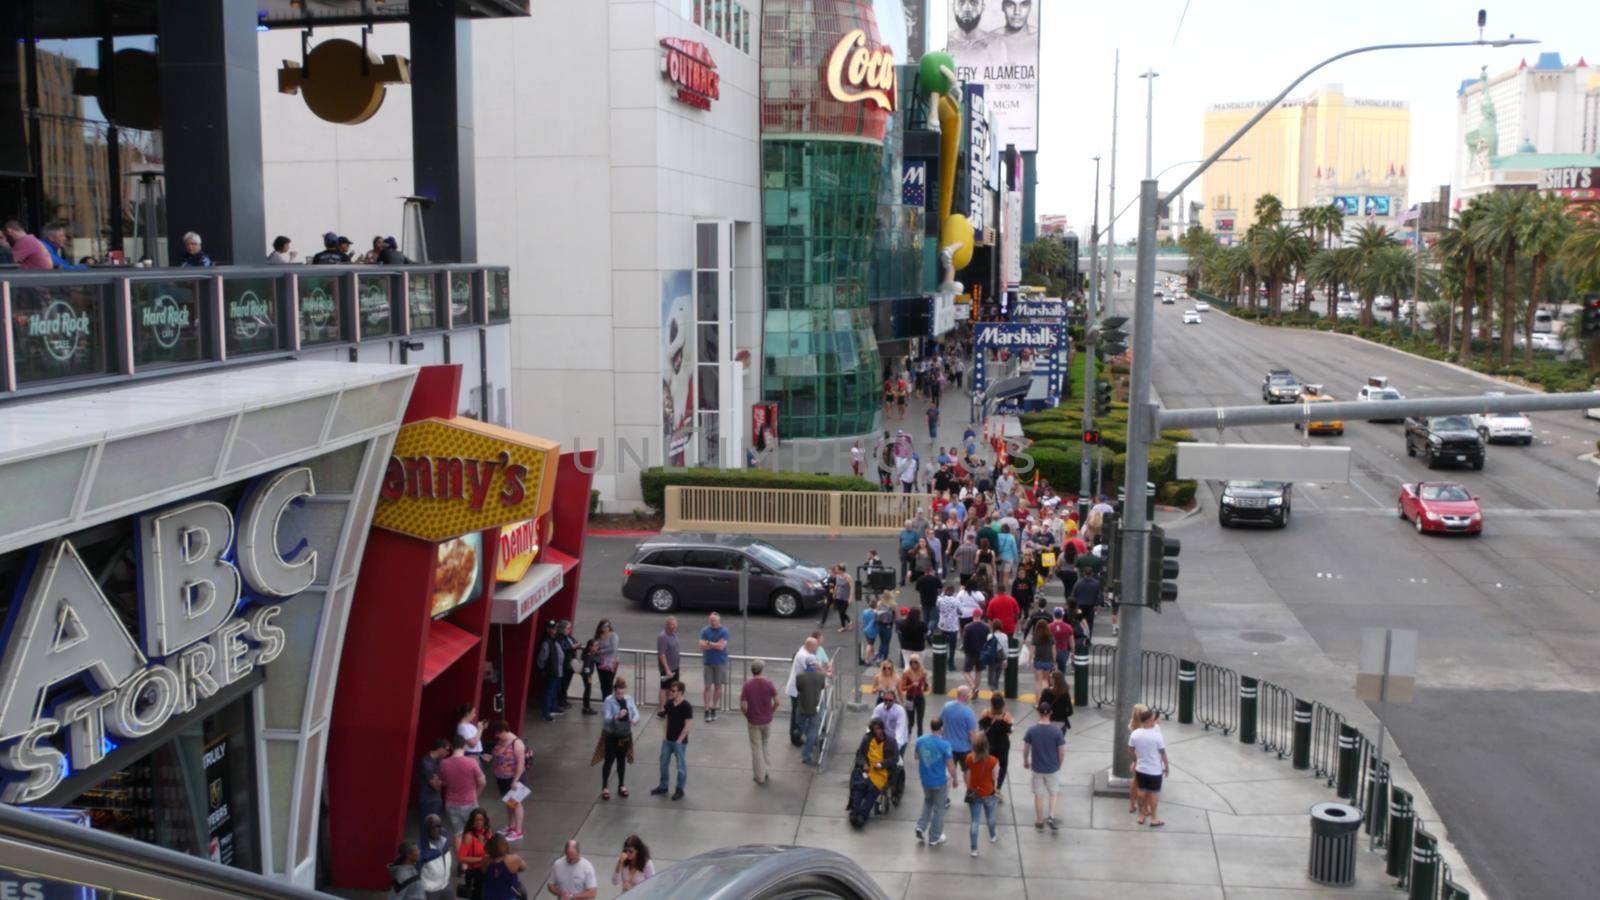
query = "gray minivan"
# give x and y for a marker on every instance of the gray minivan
(695, 570)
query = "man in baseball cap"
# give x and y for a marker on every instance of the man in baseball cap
(332, 252)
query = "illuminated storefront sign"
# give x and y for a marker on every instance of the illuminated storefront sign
(689, 66)
(858, 73)
(520, 544)
(1577, 183)
(448, 477)
(991, 334)
(196, 637)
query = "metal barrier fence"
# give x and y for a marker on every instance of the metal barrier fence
(1275, 719)
(1216, 701)
(788, 511)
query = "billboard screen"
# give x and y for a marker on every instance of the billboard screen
(996, 43)
(1350, 203)
(1376, 205)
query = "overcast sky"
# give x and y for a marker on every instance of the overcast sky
(1229, 50)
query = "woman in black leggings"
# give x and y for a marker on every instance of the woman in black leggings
(996, 726)
(620, 715)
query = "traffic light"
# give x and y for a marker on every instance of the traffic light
(1162, 558)
(1102, 398)
(1113, 340)
(1590, 327)
(1091, 436)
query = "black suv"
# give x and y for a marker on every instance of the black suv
(1449, 440)
(694, 570)
(1280, 386)
(1254, 502)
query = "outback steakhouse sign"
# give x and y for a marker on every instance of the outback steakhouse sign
(450, 477)
(857, 73)
(688, 64)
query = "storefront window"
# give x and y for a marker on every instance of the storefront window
(497, 284)
(320, 309)
(253, 310)
(169, 322)
(375, 304)
(463, 308)
(61, 331)
(422, 303)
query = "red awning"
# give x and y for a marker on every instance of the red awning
(446, 644)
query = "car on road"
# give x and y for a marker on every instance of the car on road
(1254, 502)
(1383, 302)
(1510, 427)
(1348, 310)
(1202, 306)
(1280, 386)
(694, 570)
(1542, 340)
(1315, 425)
(1445, 440)
(1441, 506)
(1377, 389)
(1191, 316)
(1168, 299)
(1544, 322)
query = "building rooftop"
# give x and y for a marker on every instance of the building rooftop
(1523, 160)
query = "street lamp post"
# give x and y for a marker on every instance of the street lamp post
(1111, 189)
(1142, 414)
(1091, 316)
(1150, 76)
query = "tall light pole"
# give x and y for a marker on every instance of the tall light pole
(1092, 315)
(1111, 188)
(1150, 76)
(1142, 414)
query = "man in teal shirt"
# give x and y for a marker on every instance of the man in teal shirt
(937, 766)
(1006, 549)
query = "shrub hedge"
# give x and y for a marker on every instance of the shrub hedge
(653, 481)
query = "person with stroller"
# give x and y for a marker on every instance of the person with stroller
(877, 758)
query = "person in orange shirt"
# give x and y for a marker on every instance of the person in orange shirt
(981, 796)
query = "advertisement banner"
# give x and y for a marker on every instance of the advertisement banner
(1011, 247)
(1376, 206)
(914, 182)
(218, 769)
(979, 148)
(941, 314)
(1048, 309)
(1350, 203)
(450, 477)
(763, 426)
(995, 43)
(677, 367)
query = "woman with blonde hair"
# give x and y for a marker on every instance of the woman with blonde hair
(914, 689)
(885, 680)
(1133, 783)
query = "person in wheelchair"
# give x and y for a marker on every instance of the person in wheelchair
(877, 762)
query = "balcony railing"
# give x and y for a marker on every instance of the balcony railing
(68, 330)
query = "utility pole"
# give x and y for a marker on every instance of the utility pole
(1111, 187)
(1143, 415)
(1150, 76)
(1091, 316)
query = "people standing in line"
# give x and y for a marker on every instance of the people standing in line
(996, 724)
(616, 736)
(606, 655)
(914, 689)
(550, 660)
(679, 714)
(430, 784)
(714, 639)
(913, 635)
(571, 876)
(470, 726)
(758, 699)
(936, 767)
(633, 866)
(1044, 750)
(949, 607)
(960, 724)
(667, 661)
(437, 858)
(570, 661)
(809, 685)
(1149, 751)
(281, 255)
(405, 873)
(508, 760)
(502, 872)
(982, 790)
(472, 851)
(589, 663)
(1059, 696)
(1133, 783)
(463, 780)
(973, 639)
(840, 587)
(1044, 655)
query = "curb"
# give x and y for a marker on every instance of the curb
(621, 532)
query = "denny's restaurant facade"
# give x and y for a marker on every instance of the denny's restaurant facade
(477, 539)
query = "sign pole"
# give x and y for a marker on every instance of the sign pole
(1383, 688)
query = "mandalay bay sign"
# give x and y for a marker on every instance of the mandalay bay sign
(74, 681)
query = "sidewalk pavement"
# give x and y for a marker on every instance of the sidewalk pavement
(1237, 823)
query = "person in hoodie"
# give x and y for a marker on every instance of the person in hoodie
(405, 873)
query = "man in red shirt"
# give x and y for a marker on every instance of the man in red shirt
(1003, 607)
(759, 701)
(27, 251)
(1061, 632)
(463, 779)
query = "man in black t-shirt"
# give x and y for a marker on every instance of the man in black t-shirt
(928, 585)
(330, 253)
(973, 638)
(675, 742)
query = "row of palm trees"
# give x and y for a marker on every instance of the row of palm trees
(1503, 245)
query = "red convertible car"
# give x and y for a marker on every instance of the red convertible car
(1441, 506)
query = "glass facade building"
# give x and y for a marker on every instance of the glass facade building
(822, 166)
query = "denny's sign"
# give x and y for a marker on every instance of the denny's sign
(858, 73)
(449, 477)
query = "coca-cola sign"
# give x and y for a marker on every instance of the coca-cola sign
(689, 66)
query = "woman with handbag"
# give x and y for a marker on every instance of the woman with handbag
(437, 858)
(472, 851)
(501, 874)
(606, 655)
(981, 796)
(508, 760)
(914, 687)
(616, 737)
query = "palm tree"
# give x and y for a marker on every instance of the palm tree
(1580, 260)
(1504, 220)
(1389, 270)
(1543, 232)
(1367, 240)
(1222, 269)
(1458, 246)
(1196, 243)
(1278, 250)
(1268, 209)
(1323, 222)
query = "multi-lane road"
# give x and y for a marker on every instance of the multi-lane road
(1507, 712)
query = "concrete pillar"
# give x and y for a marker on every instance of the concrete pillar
(441, 129)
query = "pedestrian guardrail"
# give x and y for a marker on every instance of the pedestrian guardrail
(1315, 737)
(789, 511)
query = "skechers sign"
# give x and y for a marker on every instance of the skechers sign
(994, 334)
(196, 637)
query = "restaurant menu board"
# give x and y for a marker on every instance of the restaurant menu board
(462, 310)
(61, 332)
(455, 572)
(422, 303)
(167, 322)
(253, 321)
(375, 304)
(319, 309)
(498, 286)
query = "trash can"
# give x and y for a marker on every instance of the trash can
(1334, 832)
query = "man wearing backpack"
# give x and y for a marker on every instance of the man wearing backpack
(885, 629)
(993, 657)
